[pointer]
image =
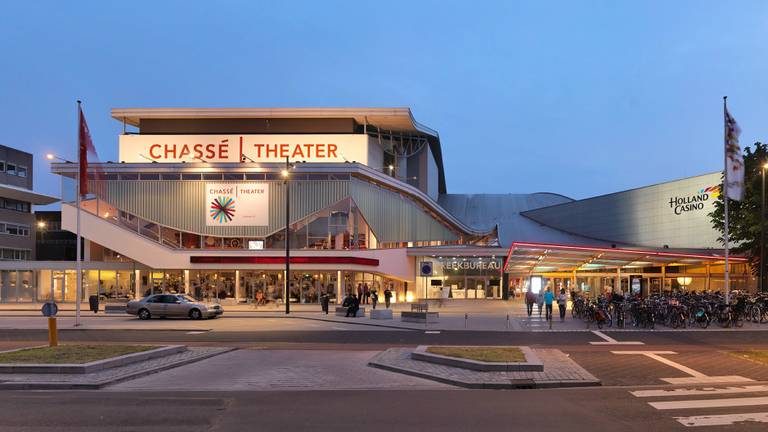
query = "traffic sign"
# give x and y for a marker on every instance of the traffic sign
(49, 309)
(426, 268)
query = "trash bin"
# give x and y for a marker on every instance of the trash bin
(93, 301)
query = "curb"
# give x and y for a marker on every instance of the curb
(520, 384)
(524, 384)
(101, 384)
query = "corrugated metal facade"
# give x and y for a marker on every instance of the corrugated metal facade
(395, 218)
(181, 205)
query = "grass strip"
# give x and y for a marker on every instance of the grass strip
(486, 354)
(759, 356)
(65, 354)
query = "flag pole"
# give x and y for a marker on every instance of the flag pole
(78, 294)
(725, 195)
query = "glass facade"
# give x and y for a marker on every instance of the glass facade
(338, 227)
(460, 278)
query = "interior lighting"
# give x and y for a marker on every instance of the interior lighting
(684, 280)
(284, 173)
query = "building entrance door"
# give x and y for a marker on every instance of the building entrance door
(58, 285)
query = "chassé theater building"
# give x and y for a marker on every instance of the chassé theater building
(196, 203)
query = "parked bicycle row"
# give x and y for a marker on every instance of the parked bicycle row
(675, 311)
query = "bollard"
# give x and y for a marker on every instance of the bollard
(53, 336)
(507, 321)
(466, 317)
(550, 323)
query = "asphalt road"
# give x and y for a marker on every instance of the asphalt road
(460, 410)
(737, 339)
(612, 406)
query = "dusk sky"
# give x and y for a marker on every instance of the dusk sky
(575, 97)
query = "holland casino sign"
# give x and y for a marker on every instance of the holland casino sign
(231, 148)
(695, 202)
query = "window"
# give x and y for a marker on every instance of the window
(10, 169)
(233, 176)
(192, 176)
(211, 176)
(2, 166)
(15, 205)
(150, 176)
(170, 176)
(15, 254)
(14, 229)
(22, 172)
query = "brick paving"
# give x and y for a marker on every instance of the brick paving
(107, 376)
(559, 371)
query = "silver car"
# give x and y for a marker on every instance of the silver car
(172, 305)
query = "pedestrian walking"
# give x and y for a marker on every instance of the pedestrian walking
(548, 299)
(562, 301)
(374, 298)
(324, 300)
(366, 293)
(387, 297)
(530, 299)
(540, 302)
(359, 291)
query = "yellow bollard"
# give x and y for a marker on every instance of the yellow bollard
(53, 334)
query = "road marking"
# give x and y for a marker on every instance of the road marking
(696, 377)
(723, 420)
(699, 392)
(338, 328)
(607, 340)
(197, 332)
(432, 332)
(710, 403)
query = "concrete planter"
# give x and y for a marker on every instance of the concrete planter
(532, 362)
(381, 314)
(85, 368)
(420, 317)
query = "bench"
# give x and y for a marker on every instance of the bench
(381, 314)
(419, 307)
(342, 311)
(419, 317)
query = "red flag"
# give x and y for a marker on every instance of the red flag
(86, 148)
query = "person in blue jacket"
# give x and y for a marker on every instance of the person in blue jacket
(548, 299)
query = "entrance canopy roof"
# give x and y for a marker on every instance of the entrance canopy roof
(528, 258)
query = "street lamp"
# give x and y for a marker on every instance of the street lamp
(286, 295)
(762, 229)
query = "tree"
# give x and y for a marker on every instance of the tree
(744, 216)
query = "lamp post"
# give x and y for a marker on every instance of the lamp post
(762, 229)
(286, 294)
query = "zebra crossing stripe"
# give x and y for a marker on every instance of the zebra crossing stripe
(699, 392)
(710, 403)
(723, 419)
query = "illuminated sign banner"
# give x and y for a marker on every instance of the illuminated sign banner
(232, 148)
(694, 202)
(237, 204)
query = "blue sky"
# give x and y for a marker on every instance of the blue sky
(575, 97)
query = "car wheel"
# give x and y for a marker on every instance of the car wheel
(144, 314)
(195, 314)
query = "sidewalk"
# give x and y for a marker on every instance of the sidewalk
(484, 316)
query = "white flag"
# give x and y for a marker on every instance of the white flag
(734, 160)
